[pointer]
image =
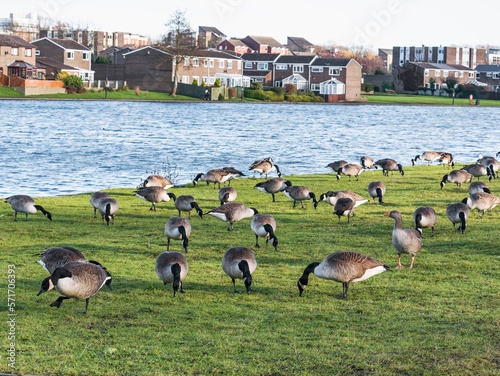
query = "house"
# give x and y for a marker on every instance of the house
(290, 69)
(24, 26)
(236, 45)
(298, 44)
(468, 57)
(209, 37)
(493, 56)
(15, 49)
(259, 67)
(337, 79)
(386, 55)
(490, 75)
(67, 52)
(265, 45)
(409, 77)
(52, 67)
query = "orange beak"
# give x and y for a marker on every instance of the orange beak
(387, 214)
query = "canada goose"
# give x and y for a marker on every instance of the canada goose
(490, 163)
(377, 189)
(344, 267)
(108, 208)
(186, 203)
(154, 195)
(178, 228)
(344, 207)
(458, 212)
(264, 225)
(213, 176)
(52, 258)
(300, 193)
(336, 165)
(239, 263)
(227, 194)
(350, 170)
(446, 159)
(429, 156)
(425, 217)
(157, 181)
(95, 198)
(273, 186)
(265, 166)
(476, 170)
(172, 267)
(388, 164)
(481, 201)
(232, 212)
(456, 176)
(406, 240)
(497, 154)
(233, 174)
(332, 197)
(478, 186)
(25, 204)
(79, 280)
(367, 163)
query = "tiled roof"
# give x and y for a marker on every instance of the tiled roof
(443, 66)
(13, 41)
(213, 30)
(261, 73)
(488, 68)
(290, 59)
(67, 44)
(333, 62)
(45, 61)
(268, 41)
(237, 42)
(259, 57)
(300, 42)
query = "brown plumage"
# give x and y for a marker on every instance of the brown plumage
(52, 258)
(239, 263)
(186, 203)
(232, 212)
(481, 201)
(227, 194)
(491, 164)
(456, 176)
(367, 163)
(388, 164)
(446, 159)
(458, 212)
(264, 166)
(336, 165)
(425, 217)
(215, 176)
(478, 186)
(172, 267)
(95, 198)
(429, 156)
(350, 169)
(157, 181)
(273, 186)
(25, 204)
(476, 170)
(344, 207)
(377, 189)
(407, 241)
(154, 195)
(178, 228)
(332, 197)
(300, 193)
(264, 225)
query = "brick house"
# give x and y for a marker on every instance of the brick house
(468, 57)
(236, 45)
(259, 67)
(209, 36)
(265, 45)
(15, 49)
(292, 69)
(490, 75)
(339, 77)
(386, 55)
(67, 52)
(298, 44)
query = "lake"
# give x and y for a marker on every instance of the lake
(52, 148)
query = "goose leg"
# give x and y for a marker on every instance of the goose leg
(345, 286)
(86, 306)
(165, 285)
(273, 197)
(432, 231)
(293, 203)
(267, 241)
(230, 226)
(26, 219)
(57, 303)
(412, 259)
(257, 241)
(302, 203)
(168, 244)
(235, 291)
(15, 216)
(399, 262)
(95, 213)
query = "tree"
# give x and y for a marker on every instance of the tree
(180, 40)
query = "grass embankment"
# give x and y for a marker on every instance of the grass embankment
(441, 318)
(423, 100)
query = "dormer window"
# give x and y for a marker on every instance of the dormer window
(70, 55)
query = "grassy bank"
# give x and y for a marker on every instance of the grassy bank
(423, 100)
(441, 318)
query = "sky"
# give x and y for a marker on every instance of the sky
(371, 23)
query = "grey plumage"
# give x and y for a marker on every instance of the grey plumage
(52, 258)
(476, 170)
(108, 208)
(264, 225)
(172, 267)
(388, 164)
(458, 212)
(232, 212)
(425, 217)
(186, 203)
(332, 197)
(154, 195)
(300, 193)
(367, 163)
(273, 186)
(157, 181)
(377, 189)
(478, 186)
(25, 204)
(481, 201)
(344, 207)
(178, 228)
(227, 194)
(334, 166)
(407, 241)
(215, 176)
(95, 198)
(239, 263)
(350, 169)
(456, 176)
(264, 166)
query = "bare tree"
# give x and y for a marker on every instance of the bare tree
(180, 41)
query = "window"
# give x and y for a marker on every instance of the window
(445, 73)
(298, 69)
(229, 64)
(248, 64)
(281, 66)
(70, 55)
(204, 79)
(315, 87)
(86, 56)
(14, 51)
(334, 71)
(196, 62)
(186, 61)
(185, 79)
(211, 63)
(495, 75)
(56, 34)
(426, 72)
(221, 63)
(317, 70)
(471, 74)
(461, 74)
(278, 84)
(262, 66)
(456, 74)
(205, 63)
(239, 64)
(28, 52)
(37, 52)
(211, 80)
(488, 74)
(437, 74)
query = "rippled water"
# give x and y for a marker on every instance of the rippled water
(51, 148)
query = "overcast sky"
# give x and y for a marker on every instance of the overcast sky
(372, 23)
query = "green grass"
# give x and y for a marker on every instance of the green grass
(119, 95)
(424, 100)
(7, 92)
(441, 318)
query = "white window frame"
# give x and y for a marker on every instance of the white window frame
(281, 66)
(28, 52)
(211, 61)
(248, 64)
(196, 62)
(185, 80)
(186, 61)
(86, 56)
(239, 64)
(14, 51)
(204, 79)
(426, 72)
(471, 74)
(315, 87)
(496, 75)
(211, 80)
(334, 71)
(229, 64)
(316, 70)
(298, 69)
(221, 64)
(70, 55)
(205, 63)
(262, 66)
(37, 52)
(278, 84)
(456, 73)
(437, 73)
(488, 74)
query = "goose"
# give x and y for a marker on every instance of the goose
(458, 177)
(367, 163)
(388, 164)
(79, 280)
(497, 154)
(227, 194)
(233, 174)
(490, 163)
(52, 258)
(429, 156)
(95, 198)
(239, 263)
(344, 207)
(406, 240)
(172, 267)
(344, 267)
(478, 186)
(264, 225)
(273, 186)
(157, 181)
(213, 176)
(300, 193)
(481, 201)
(178, 228)
(350, 170)
(186, 203)
(232, 212)
(446, 159)
(25, 204)
(425, 217)
(108, 208)
(154, 195)
(334, 166)
(377, 189)
(458, 212)
(265, 166)
(476, 170)
(332, 197)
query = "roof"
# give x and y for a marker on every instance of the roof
(443, 66)
(45, 61)
(488, 68)
(237, 42)
(256, 73)
(67, 44)
(146, 48)
(215, 54)
(268, 41)
(331, 62)
(13, 41)
(212, 30)
(300, 42)
(259, 57)
(295, 77)
(21, 64)
(387, 51)
(332, 81)
(291, 59)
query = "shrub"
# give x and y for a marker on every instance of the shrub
(290, 89)
(264, 95)
(277, 90)
(109, 89)
(367, 87)
(221, 97)
(203, 83)
(256, 86)
(123, 88)
(61, 76)
(73, 81)
(102, 60)
(217, 83)
(387, 85)
(195, 82)
(231, 92)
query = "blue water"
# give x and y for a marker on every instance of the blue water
(51, 148)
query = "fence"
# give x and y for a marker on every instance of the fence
(199, 91)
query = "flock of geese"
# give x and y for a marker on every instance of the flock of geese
(75, 277)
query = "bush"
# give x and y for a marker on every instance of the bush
(61, 76)
(220, 97)
(123, 88)
(203, 84)
(264, 95)
(277, 90)
(387, 85)
(109, 89)
(367, 87)
(73, 81)
(217, 83)
(290, 89)
(256, 86)
(195, 82)
(231, 92)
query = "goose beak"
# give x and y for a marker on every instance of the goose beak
(388, 214)
(40, 292)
